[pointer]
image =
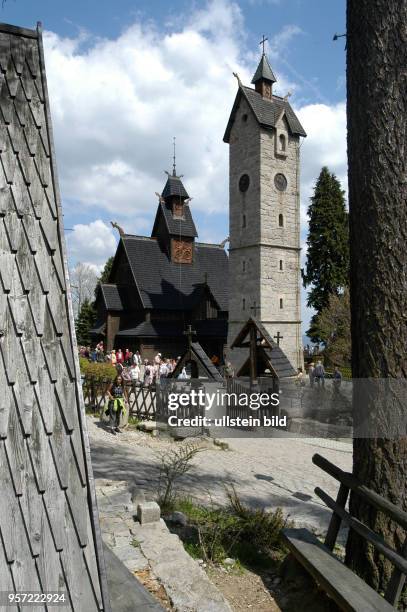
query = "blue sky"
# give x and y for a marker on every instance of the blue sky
(124, 77)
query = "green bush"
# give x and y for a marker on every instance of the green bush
(251, 536)
(98, 370)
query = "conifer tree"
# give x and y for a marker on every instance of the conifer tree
(84, 323)
(327, 264)
(105, 275)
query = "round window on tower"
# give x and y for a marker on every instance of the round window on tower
(244, 183)
(280, 182)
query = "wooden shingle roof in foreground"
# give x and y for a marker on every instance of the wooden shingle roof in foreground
(49, 528)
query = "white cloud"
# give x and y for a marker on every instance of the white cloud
(325, 145)
(116, 105)
(92, 244)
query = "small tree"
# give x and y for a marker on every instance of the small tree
(332, 327)
(84, 323)
(327, 264)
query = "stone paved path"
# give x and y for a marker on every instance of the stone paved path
(266, 472)
(152, 548)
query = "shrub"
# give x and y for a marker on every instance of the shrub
(251, 536)
(174, 464)
(98, 370)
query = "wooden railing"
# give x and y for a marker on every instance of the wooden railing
(142, 400)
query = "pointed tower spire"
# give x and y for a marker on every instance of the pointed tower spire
(264, 78)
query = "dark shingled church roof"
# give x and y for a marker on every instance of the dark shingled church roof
(266, 111)
(174, 187)
(166, 285)
(264, 71)
(111, 297)
(159, 329)
(177, 226)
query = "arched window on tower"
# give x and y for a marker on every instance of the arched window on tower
(282, 143)
(243, 266)
(280, 220)
(281, 264)
(281, 303)
(243, 304)
(244, 221)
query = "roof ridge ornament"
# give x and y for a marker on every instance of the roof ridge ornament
(235, 74)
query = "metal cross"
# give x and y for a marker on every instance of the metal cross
(278, 338)
(189, 332)
(263, 42)
(174, 172)
(255, 308)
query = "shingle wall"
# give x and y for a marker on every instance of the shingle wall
(48, 519)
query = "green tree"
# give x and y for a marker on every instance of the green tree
(105, 275)
(327, 264)
(84, 323)
(332, 326)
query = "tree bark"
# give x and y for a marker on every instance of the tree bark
(377, 157)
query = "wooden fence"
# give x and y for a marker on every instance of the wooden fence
(241, 387)
(142, 400)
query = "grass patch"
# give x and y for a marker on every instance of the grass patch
(133, 421)
(251, 536)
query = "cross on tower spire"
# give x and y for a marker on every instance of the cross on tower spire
(174, 170)
(263, 42)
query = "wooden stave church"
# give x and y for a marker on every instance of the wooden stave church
(158, 285)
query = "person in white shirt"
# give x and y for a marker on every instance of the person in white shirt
(163, 371)
(135, 373)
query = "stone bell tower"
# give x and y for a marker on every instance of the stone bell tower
(264, 134)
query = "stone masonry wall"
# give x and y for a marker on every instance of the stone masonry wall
(281, 244)
(244, 255)
(257, 249)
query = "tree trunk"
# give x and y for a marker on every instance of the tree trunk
(377, 155)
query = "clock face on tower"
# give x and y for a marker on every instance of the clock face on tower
(244, 183)
(280, 182)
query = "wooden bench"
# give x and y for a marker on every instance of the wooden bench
(349, 591)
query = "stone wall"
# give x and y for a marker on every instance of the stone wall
(244, 255)
(280, 288)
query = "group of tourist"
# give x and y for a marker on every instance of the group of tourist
(131, 369)
(316, 375)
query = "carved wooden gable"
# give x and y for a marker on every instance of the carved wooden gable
(182, 250)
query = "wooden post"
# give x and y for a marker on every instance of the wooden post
(253, 355)
(335, 522)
